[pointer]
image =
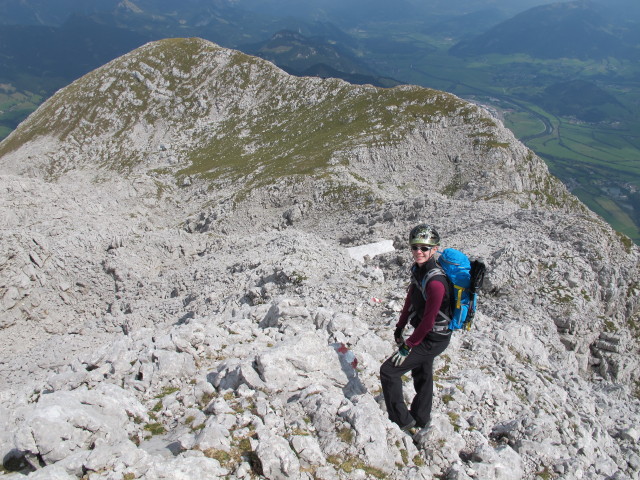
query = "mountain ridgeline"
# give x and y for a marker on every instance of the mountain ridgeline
(576, 29)
(228, 116)
(179, 293)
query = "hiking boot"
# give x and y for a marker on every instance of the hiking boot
(408, 427)
(427, 424)
(420, 435)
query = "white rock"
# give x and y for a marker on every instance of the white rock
(369, 423)
(503, 463)
(278, 461)
(631, 435)
(299, 362)
(62, 423)
(308, 449)
(191, 464)
(213, 436)
(52, 472)
(174, 364)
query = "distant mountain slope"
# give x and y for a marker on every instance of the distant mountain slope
(467, 24)
(353, 12)
(580, 29)
(349, 13)
(582, 100)
(48, 12)
(219, 20)
(302, 56)
(325, 71)
(463, 7)
(67, 52)
(222, 21)
(297, 52)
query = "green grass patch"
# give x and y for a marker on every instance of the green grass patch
(346, 435)
(349, 464)
(167, 391)
(447, 398)
(240, 450)
(155, 428)
(295, 138)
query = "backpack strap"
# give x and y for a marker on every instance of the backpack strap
(438, 328)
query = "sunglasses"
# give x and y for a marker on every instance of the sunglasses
(421, 248)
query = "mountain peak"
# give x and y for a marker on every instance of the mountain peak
(229, 115)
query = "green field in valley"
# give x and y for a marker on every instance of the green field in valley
(14, 107)
(600, 165)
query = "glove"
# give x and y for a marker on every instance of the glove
(400, 356)
(397, 336)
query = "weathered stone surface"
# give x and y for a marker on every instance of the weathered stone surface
(62, 423)
(299, 362)
(164, 326)
(308, 450)
(278, 461)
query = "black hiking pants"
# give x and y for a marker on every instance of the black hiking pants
(420, 363)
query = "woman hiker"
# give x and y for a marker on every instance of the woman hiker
(429, 339)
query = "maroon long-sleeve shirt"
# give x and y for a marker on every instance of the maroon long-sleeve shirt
(435, 293)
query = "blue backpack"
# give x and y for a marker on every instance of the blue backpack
(465, 279)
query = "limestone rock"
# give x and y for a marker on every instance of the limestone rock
(178, 297)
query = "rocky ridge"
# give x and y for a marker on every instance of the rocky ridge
(178, 298)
